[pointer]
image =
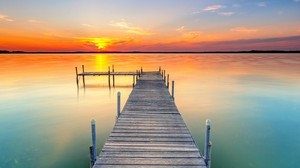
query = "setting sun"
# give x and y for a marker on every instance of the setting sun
(100, 43)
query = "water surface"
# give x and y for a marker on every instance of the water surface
(253, 101)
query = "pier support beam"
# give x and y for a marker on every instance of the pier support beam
(77, 81)
(173, 85)
(109, 76)
(208, 144)
(168, 77)
(83, 78)
(113, 70)
(118, 104)
(93, 150)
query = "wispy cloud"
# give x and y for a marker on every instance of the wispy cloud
(226, 13)
(213, 8)
(5, 18)
(244, 30)
(129, 29)
(86, 25)
(33, 21)
(180, 29)
(262, 4)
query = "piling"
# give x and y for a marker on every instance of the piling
(208, 144)
(77, 76)
(173, 83)
(118, 104)
(113, 70)
(168, 77)
(141, 69)
(83, 79)
(93, 151)
(109, 76)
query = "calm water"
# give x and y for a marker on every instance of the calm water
(252, 100)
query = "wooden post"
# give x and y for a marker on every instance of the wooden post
(113, 70)
(141, 69)
(137, 76)
(91, 156)
(133, 81)
(93, 146)
(118, 104)
(168, 81)
(173, 90)
(77, 76)
(159, 69)
(109, 76)
(83, 79)
(208, 144)
(165, 77)
(164, 74)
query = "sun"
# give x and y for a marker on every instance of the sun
(100, 43)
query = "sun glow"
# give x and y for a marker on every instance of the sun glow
(100, 43)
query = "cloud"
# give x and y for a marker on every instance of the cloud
(33, 21)
(5, 18)
(226, 13)
(296, 0)
(213, 8)
(129, 29)
(244, 30)
(180, 29)
(86, 25)
(262, 4)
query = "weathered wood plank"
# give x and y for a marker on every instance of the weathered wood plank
(150, 131)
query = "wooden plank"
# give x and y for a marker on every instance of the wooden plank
(150, 131)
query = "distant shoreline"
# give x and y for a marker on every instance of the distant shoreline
(142, 52)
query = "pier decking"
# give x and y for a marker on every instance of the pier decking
(150, 131)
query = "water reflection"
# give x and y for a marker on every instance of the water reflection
(253, 101)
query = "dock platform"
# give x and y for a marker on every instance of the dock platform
(150, 131)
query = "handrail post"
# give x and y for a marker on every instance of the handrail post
(93, 151)
(173, 83)
(118, 104)
(208, 144)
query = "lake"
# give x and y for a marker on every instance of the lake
(253, 101)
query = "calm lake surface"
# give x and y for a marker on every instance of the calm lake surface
(253, 101)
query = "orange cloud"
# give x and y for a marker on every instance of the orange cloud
(5, 18)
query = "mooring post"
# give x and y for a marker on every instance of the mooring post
(83, 79)
(168, 81)
(93, 155)
(165, 77)
(208, 144)
(137, 76)
(159, 70)
(109, 76)
(118, 104)
(141, 69)
(173, 89)
(113, 70)
(77, 76)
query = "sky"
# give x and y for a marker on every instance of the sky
(149, 25)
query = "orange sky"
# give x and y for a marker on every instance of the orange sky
(149, 26)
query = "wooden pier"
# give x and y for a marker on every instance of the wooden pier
(110, 74)
(150, 132)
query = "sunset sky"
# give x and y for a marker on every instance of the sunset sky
(149, 25)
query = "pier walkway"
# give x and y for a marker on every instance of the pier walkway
(150, 131)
